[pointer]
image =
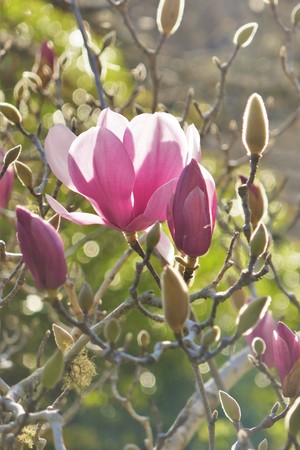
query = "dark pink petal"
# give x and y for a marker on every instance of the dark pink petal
(212, 195)
(113, 121)
(282, 356)
(102, 171)
(42, 250)
(264, 329)
(296, 348)
(286, 334)
(158, 148)
(6, 185)
(57, 146)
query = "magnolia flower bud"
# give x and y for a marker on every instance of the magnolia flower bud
(53, 370)
(175, 299)
(250, 313)
(263, 445)
(11, 113)
(63, 339)
(230, 407)
(292, 419)
(245, 34)
(259, 241)
(112, 330)
(85, 298)
(143, 339)
(258, 346)
(12, 155)
(169, 16)
(255, 126)
(211, 336)
(24, 174)
(153, 237)
(295, 15)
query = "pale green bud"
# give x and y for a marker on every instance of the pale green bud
(24, 173)
(63, 339)
(259, 241)
(143, 339)
(263, 445)
(230, 407)
(153, 236)
(112, 330)
(250, 313)
(255, 125)
(11, 113)
(53, 370)
(211, 336)
(292, 419)
(169, 16)
(85, 297)
(245, 34)
(12, 155)
(295, 16)
(258, 346)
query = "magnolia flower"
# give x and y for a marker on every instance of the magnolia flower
(6, 184)
(286, 347)
(42, 250)
(192, 210)
(126, 170)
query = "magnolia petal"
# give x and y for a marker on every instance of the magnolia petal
(113, 121)
(193, 140)
(165, 248)
(57, 146)
(282, 356)
(79, 218)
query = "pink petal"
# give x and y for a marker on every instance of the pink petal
(113, 121)
(193, 140)
(102, 171)
(282, 356)
(79, 218)
(165, 248)
(57, 145)
(158, 147)
(211, 193)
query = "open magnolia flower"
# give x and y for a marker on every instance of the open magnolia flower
(126, 170)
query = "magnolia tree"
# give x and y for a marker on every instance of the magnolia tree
(145, 180)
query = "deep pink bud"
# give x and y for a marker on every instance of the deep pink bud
(192, 210)
(286, 346)
(6, 184)
(42, 250)
(264, 330)
(44, 62)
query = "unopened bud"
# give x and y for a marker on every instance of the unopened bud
(259, 241)
(230, 407)
(263, 445)
(255, 125)
(109, 40)
(295, 16)
(12, 155)
(24, 173)
(245, 34)
(63, 339)
(250, 314)
(291, 383)
(258, 346)
(11, 113)
(143, 339)
(175, 299)
(292, 419)
(85, 297)
(211, 336)
(169, 16)
(153, 237)
(53, 370)
(112, 330)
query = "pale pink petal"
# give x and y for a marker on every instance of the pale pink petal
(157, 206)
(193, 140)
(57, 145)
(158, 147)
(79, 218)
(113, 121)
(104, 173)
(165, 248)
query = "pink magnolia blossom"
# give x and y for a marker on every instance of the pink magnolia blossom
(6, 184)
(126, 170)
(264, 330)
(42, 250)
(192, 210)
(286, 345)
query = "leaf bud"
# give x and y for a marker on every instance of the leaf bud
(24, 174)
(143, 339)
(12, 155)
(250, 313)
(53, 370)
(112, 330)
(109, 40)
(295, 15)
(11, 113)
(258, 346)
(85, 297)
(255, 126)
(169, 16)
(211, 336)
(230, 407)
(263, 445)
(153, 237)
(175, 299)
(63, 339)
(292, 419)
(245, 34)
(259, 241)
